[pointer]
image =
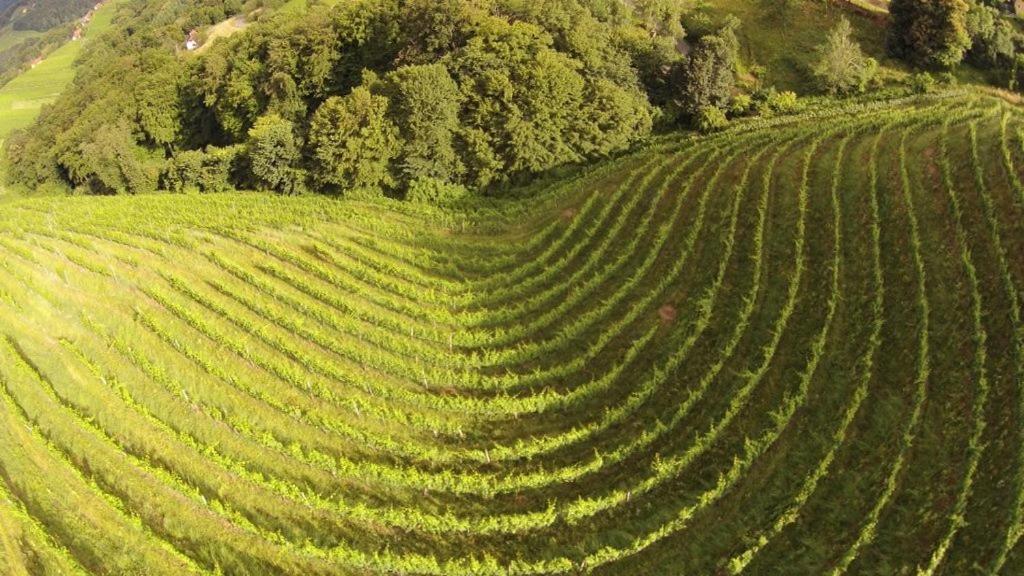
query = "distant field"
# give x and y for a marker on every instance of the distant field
(792, 348)
(10, 37)
(22, 98)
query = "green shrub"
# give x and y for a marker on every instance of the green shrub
(772, 102)
(202, 171)
(711, 119)
(921, 83)
(741, 105)
(434, 191)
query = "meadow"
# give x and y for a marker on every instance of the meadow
(792, 347)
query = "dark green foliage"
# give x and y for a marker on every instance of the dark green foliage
(353, 142)
(157, 97)
(434, 192)
(205, 171)
(378, 94)
(929, 32)
(273, 154)
(616, 118)
(523, 97)
(993, 38)
(426, 102)
(110, 162)
(708, 78)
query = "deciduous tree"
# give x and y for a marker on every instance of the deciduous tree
(929, 32)
(274, 153)
(842, 67)
(353, 142)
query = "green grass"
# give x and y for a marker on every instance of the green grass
(788, 56)
(10, 37)
(791, 348)
(300, 6)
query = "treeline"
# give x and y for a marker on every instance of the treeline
(419, 98)
(941, 34)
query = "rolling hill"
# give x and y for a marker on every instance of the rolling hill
(22, 98)
(792, 347)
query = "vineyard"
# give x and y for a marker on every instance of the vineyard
(794, 347)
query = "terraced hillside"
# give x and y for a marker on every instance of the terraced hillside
(793, 348)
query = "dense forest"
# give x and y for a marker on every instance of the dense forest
(422, 98)
(430, 100)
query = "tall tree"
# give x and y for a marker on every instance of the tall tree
(929, 32)
(273, 153)
(842, 67)
(353, 142)
(993, 38)
(425, 103)
(708, 77)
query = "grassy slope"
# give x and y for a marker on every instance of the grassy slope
(302, 385)
(9, 37)
(784, 40)
(22, 98)
(236, 24)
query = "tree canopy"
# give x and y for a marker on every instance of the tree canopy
(929, 32)
(378, 94)
(842, 67)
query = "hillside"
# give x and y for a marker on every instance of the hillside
(787, 58)
(31, 30)
(42, 15)
(791, 348)
(23, 98)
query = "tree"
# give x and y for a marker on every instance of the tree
(661, 17)
(523, 102)
(273, 153)
(842, 67)
(353, 142)
(708, 77)
(157, 98)
(110, 162)
(711, 119)
(992, 38)
(929, 32)
(425, 104)
(616, 117)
